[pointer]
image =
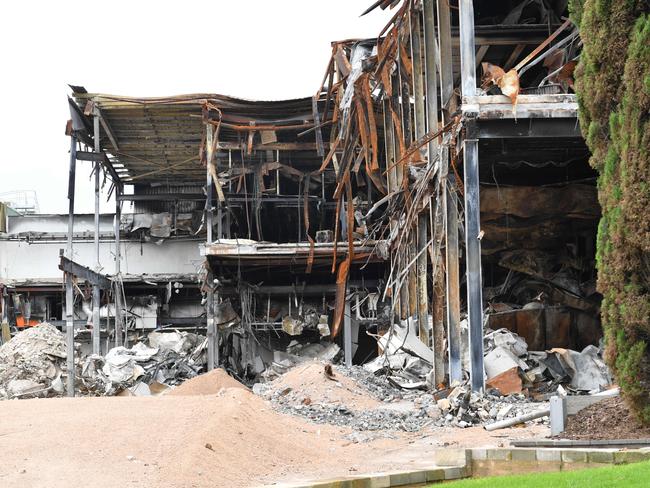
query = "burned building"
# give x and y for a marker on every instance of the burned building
(434, 185)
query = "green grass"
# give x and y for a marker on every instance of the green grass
(628, 475)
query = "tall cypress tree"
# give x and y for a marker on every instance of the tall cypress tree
(613, 87)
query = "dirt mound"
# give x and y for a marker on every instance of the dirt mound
(309, 383)
(609, 419)
(233, 439)
(207, 384)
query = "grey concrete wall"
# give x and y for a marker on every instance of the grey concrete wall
(20, 260)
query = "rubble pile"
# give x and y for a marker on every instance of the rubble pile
(338, 399)
(32, 363)
(463, 408)
(374, 403)
(169, 359)
(511, 368)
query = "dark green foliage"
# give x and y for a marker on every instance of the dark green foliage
(613, 86)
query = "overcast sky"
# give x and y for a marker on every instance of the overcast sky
(256, 49)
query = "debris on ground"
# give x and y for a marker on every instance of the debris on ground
(32, 363)
(170, 359)
(614, 414)
(356, 398)
(507, 356)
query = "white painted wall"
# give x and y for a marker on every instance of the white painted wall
(20, 260)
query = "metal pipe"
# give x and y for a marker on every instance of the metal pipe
(502, 424)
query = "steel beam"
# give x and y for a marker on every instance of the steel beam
(514, 129)
(83, 272)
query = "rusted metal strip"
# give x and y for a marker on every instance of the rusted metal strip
(327, 160)
(336, 233)
(305, 210)
(363, 130)
(539, 48)
(341, 288)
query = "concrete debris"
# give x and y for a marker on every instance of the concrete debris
(364, 401)
(402, 338)
(542, 371)
(31, 362)
(500, 360)
(507, 382)
(292, 325)
(145, 370)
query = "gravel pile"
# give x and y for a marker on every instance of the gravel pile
(396, 409)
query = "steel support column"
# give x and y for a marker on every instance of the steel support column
(472, 202)
(347, 335)
(420, 131)
(433, 123)
(117, 283)
(213, 339)
(96, 332)
(210, 322)
(453, 281)
(69, 292)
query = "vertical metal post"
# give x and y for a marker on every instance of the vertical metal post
(449, 200)
(118, 270)
(208, 187)
(228, 221)
(473, 259)
(347, 334)
(69, 294)
(433, 123)
(472, 202)
(96, 332)
(453, 282)
(220, 234)
(467, 48)
(210, 322)
(420, 131)
(209, 304)
(446, 66)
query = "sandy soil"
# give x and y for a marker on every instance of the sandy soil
(228, 439)
(207, 384)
